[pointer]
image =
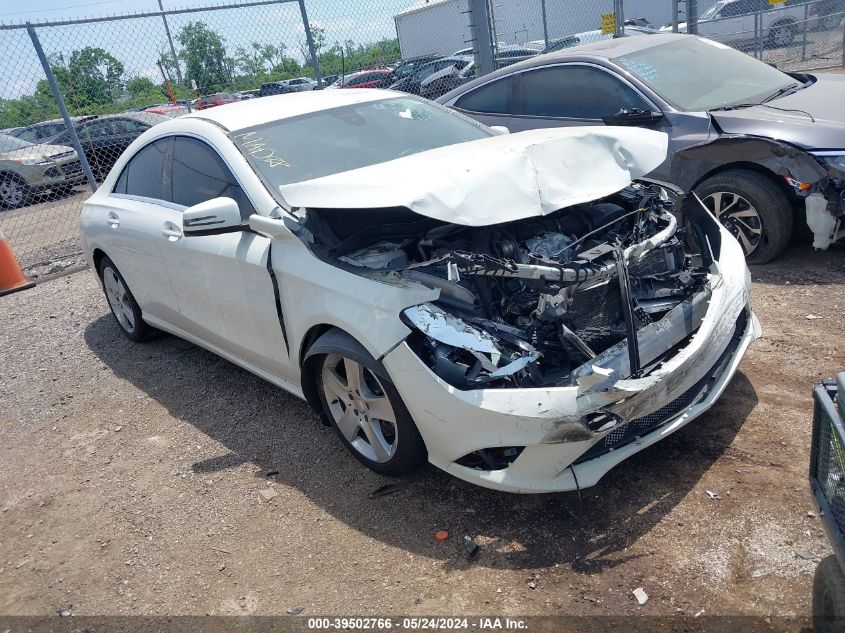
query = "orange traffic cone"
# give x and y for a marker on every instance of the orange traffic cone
(11, 276)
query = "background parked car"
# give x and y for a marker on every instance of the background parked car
(104, 138)
(736, 22)
(301, 84)
(169, 110)
(735, 125)
(28, 170)
(413, 82)
(328, 80)
(216, 99)
(42, 132)
(376, 78)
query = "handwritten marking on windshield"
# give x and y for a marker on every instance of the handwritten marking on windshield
(256, 148)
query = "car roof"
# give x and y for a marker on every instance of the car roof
(604, 49)
(244, 114)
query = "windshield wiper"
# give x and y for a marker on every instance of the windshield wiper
(733, 106)
(783, 91)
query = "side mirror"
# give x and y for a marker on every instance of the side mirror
(634, 116)
(500, 129)
(211, 215)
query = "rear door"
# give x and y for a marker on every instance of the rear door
(490, 103)
(130, 228)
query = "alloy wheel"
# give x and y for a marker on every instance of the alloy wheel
(118, 299)
(360, 408)
(11, 193)
(737, 215)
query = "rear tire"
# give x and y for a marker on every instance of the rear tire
(360, 401)
(123, 306)
(829, 597)
(753, 209)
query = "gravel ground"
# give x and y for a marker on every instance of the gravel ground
(131, 479)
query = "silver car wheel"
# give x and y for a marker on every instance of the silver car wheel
(118, 299)
(737, 215)
(360, 408)
(11, 192)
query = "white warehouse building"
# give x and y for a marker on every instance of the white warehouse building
(442, 26)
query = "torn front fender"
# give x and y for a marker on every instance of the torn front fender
(692, 164)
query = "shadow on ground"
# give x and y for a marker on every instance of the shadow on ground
(260, 424)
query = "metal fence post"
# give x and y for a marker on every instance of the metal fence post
(545, 23)
(804, 39)
(312, 51)
(692, 17)
(482, 36)
(620, 18)
(675, 10)
(57, 95)
(173, 52)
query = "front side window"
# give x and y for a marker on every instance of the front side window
(351, 137)
(98, 129)
(199, 174)
(146, 174)
(491, 98)
(574, 92)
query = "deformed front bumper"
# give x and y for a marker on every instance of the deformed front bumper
(560, 451)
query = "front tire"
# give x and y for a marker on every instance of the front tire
(752, 207)
(829, 597)
(363, 406)
(13, 192)
(123, 306)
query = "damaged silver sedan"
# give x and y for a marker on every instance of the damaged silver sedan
(522, 311)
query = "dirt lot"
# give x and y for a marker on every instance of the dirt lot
(130, 479)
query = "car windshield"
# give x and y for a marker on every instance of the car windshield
(695, 74)
(712, 11)
(10, 143)
(350, 137)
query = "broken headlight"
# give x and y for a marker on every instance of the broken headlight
(463, 354)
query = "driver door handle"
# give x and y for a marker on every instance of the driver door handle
(171, 231)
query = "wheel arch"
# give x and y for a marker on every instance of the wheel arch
(13, 175)
(97, 257)
(330, 336)
(777, 179)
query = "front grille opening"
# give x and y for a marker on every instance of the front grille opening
(497, 458)
(829, 465)
(633, 430)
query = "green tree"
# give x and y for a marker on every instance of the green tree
(140, 85)
(92, 77)
(204, 54)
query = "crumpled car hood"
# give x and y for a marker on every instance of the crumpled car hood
(496, 179)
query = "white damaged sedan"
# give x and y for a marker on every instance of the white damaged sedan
(522, 311)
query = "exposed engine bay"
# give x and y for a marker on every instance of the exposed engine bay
(524, 303)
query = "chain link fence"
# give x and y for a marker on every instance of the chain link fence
(116, 77)
(793, 36)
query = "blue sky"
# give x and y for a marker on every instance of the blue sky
(137, 43)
